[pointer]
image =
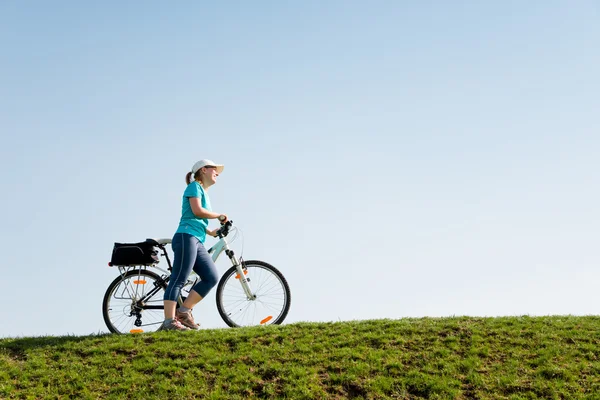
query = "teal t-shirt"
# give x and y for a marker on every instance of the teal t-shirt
(189, 223)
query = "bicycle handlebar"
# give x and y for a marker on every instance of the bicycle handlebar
(224, 230)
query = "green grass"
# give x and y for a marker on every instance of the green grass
(431, 358)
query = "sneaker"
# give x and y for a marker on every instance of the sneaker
(174, 325)
(186, 319)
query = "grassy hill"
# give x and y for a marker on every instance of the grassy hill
(446, 358)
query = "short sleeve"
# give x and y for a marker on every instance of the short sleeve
(193, 190)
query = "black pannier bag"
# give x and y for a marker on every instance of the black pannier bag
(143, 253)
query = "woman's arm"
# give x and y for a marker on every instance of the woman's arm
(201, 212)
(212, 233)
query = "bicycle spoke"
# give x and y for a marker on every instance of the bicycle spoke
(134, 286)
(269, 302)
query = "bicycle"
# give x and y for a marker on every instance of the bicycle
(249, 293)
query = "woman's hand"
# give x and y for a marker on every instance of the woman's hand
(222, 219)
(212, 233)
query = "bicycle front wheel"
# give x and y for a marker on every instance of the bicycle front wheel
(269, 304)
(133, 303)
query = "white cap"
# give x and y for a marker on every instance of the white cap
(207, 163)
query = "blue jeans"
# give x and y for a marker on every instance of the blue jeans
(190, 254)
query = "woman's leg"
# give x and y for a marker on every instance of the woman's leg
(184, 249)
(207, 270)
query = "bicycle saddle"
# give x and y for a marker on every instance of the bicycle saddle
(158, 242)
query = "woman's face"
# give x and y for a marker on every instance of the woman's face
(210, 174)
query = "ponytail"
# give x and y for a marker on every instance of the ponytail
(188, 177)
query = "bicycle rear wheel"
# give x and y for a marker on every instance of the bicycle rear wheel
(273, 296)
(122, 310)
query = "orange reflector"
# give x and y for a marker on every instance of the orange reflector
(237, 276)
(136, 331)
(264, 321)
(140, 282)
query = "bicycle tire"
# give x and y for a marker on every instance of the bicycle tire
(273, 296)
(123, 320)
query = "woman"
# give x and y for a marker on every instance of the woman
(188, 247)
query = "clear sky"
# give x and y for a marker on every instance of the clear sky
(392, 158)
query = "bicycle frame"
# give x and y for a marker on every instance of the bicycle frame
(215, 251)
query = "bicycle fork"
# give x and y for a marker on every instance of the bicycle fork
(241, 272)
